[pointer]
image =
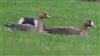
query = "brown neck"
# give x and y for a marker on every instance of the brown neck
(83, 27)
(39, 25)
(84, 31)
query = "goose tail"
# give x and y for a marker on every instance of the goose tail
(9, 27)
(6, 25)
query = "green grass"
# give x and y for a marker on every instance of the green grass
(65, 12)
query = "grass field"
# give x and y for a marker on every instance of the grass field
(62, 12)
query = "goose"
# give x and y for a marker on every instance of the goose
(28, 26)
(33, 20)
(70, 30)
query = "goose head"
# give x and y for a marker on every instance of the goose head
(88, 23)
(43, 15)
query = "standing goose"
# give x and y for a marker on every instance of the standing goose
(29, 27)
(71, 30)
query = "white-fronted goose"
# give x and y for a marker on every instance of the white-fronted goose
(33, 20)
(71, 30)
(28, 26)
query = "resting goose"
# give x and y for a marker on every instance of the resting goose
(28, 26)
(33, 20)
(71, 30)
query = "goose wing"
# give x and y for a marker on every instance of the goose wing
(21, 27)
(62, 30)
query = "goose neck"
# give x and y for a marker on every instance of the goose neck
(39, 25)
(83, 27)
(83, 31)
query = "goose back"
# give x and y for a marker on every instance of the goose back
(62, 31)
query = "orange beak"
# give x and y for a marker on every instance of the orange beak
(94, 26)
(48, 16)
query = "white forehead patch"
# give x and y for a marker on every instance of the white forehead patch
(92, 23)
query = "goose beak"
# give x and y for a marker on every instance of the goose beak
(48, 16)
(93, 25)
